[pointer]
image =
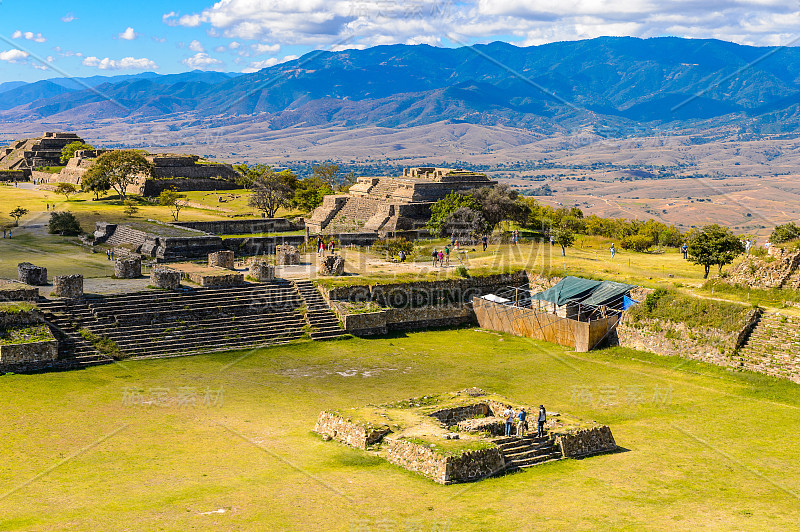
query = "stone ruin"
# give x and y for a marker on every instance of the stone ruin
(286, 255)
(775, 271)
(31, 153)
(32, 275)
(68, 286)
(128, 268)
(222, 259)
(386, 205)
(331, 265)
(165, 278)
(261, 270)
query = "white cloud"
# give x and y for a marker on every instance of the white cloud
(202, 61)
(362, 23)
(255, 66)
(233, 45)
(13, 56)
(128, 34)
(28, 35)
(126, 63)
(69, 17)
(196, 46)
(266, 48)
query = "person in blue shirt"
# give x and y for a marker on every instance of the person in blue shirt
(521, 423)
(684, 249)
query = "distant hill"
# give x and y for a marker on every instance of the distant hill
(607, 83)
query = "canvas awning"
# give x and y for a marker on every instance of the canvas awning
(584, 291)
(606, 293)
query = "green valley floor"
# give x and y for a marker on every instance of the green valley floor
(223, 442)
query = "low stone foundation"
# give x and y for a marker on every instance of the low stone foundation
(15, 291)
(331, 265)
(493, 425)
(165, 278)
(262, 271)
(68, 286)
(28, 356)
(452, 416)
(222, 259)
(33, 275)
(359, 435)
(128, 268)
(287, 255)
(468, 466)
(586, 442)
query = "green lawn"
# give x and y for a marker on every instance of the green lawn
(704, 449)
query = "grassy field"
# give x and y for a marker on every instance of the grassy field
(225, 442)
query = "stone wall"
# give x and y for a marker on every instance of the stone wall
(244, 227)
(28, 356)
(68, 286)
(223, 279)
(586, 442)
(754, 272)
(154, 187)
(331, 265)
(165, 278)
(16, 291)
(359, 435)
(14, 175)
(452, 416)
(286, 255)
(468, 466)
(128, 268)
(222, 259)
(20, 319)
(261, 245)
(32, 275)
(261, 270)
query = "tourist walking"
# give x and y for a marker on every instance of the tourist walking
(453, 239)
(108, 254)
(485, 241)
(435, 256)
(508, 413)
(684, 249)
(402, 256)
(332, 247)
(542, 420)
(447, 256)
(613, 250)
(521, 422)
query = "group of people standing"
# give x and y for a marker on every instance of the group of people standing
(441, 257)
(521, 418)
(331, 246)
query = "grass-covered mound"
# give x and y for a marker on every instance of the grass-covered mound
(694, 312)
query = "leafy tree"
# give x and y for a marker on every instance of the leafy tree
(248, 174)
(500, 203)
(67, 189)
(784, 233)
(327, 172)
(96, 184)
(563, 236)
(393, 246)
(310, 193)
(64, 224)
(18, 213)
(467, 224)
(68, 151)
(174, 200)
(446, 206)
(130, 208)
(122, 168)
(273, 190)
(640, 243)
(713, 245)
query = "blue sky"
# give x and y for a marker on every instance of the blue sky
(108, 38)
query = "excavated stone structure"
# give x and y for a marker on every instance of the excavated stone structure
(332, 265)
(68, 286)
(33, 275)
(386, 205)
(222, 259)
(128, 268)
(27, 154)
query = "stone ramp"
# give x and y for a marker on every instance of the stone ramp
(773, 347)
(323, 322)
(522, 452)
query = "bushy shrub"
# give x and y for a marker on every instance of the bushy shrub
(784, 233)
(64, 224)
(394, 246)
(758, 252)
(639, 243)
(462, 271)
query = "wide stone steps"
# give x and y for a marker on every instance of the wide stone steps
(323, 322)
(773, 347)
(527, 451)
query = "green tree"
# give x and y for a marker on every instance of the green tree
(784, 233)
(500, 203)
(248, 174)
(64, 224)
(18, 213)
(273, 190)
(174, 200)
(564, 237)
(66, 189)
(121, 168)
(640, 243)
(713, 245)
(96, 184)
(310, 193)
(68, 151)
(327, 172)
(130, 208)
(467, 224)
(446, 206)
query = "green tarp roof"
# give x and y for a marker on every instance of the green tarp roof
(584, 291)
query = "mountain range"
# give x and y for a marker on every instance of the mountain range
(613, 84)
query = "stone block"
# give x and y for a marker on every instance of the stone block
(165, 278)
(128, 268)
(221, 259)
(68, 286)
(33, 275)
(262, 271)
(331, 265)
(287, 255)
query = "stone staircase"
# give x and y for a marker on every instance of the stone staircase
(353, 215)
(323, 322)
(124, 235)
(773, 347)
(61, 316)
(520, 453)
(383, 189)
